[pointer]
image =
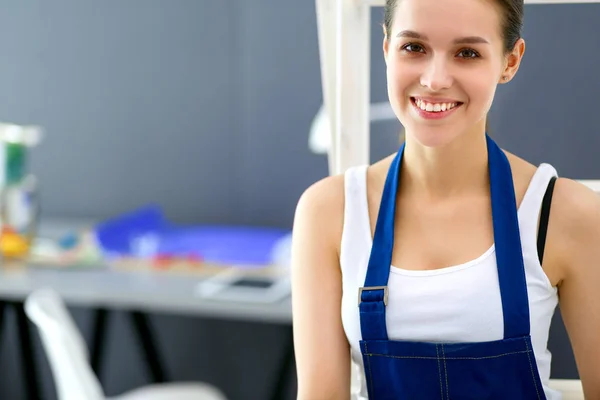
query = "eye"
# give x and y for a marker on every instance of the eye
(468, 53)
(413, 48)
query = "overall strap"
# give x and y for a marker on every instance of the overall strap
(509, 253)
(372, 298)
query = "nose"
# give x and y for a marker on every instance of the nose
(436, 75)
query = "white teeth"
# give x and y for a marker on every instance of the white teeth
(437, 107)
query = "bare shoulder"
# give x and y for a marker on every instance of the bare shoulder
(577, 205)
(321, 207)
(326, 193)
(574, 222)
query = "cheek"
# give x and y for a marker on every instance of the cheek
(401, 78)
(480, 89)
(397, 87)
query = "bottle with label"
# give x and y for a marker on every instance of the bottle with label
(19, 205)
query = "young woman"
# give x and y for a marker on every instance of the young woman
(437, 270)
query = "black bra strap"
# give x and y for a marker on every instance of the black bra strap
(544, 216)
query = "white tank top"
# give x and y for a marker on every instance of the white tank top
(460, 303)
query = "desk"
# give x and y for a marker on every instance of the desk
(139, 293)
(146, 292)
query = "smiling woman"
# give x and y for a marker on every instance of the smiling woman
(438, 269)
(449, 60)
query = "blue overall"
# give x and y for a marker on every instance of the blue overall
(501, 370)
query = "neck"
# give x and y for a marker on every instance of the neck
(459, 168)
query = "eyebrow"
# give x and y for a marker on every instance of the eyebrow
(462, 40)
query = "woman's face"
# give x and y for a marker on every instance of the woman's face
(444, 60)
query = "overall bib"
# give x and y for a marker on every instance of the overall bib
(500, 370)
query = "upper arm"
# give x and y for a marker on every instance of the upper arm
(321, 347)
(576, 218)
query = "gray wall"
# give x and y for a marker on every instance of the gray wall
(204, 107)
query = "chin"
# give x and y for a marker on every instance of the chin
(431, 137)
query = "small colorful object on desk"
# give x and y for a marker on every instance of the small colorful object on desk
(69, 241)
(162, 261)
(75, 249)
(12, 244)
(166, 261)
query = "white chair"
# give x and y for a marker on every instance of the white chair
(67, 354)
(571, 389)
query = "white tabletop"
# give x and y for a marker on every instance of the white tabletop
(149, 292)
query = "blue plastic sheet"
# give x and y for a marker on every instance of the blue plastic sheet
(145, 233)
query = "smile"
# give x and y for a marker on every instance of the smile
(434, 110)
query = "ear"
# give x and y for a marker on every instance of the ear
(513, 61)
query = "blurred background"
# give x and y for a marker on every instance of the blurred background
(203, 108)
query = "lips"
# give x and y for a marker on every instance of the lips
(436, 105)
(434, 108)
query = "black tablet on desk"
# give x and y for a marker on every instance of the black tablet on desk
(243, 287)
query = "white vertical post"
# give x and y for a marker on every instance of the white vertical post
(326, 25)
(352, 88)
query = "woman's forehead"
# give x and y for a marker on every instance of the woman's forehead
(448, 19)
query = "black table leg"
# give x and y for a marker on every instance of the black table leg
(32, 388)
(3, 306)
(286, 367)
(98, 343)
(141, 327)
(146, 337)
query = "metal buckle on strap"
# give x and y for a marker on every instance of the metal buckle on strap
(384, 288)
